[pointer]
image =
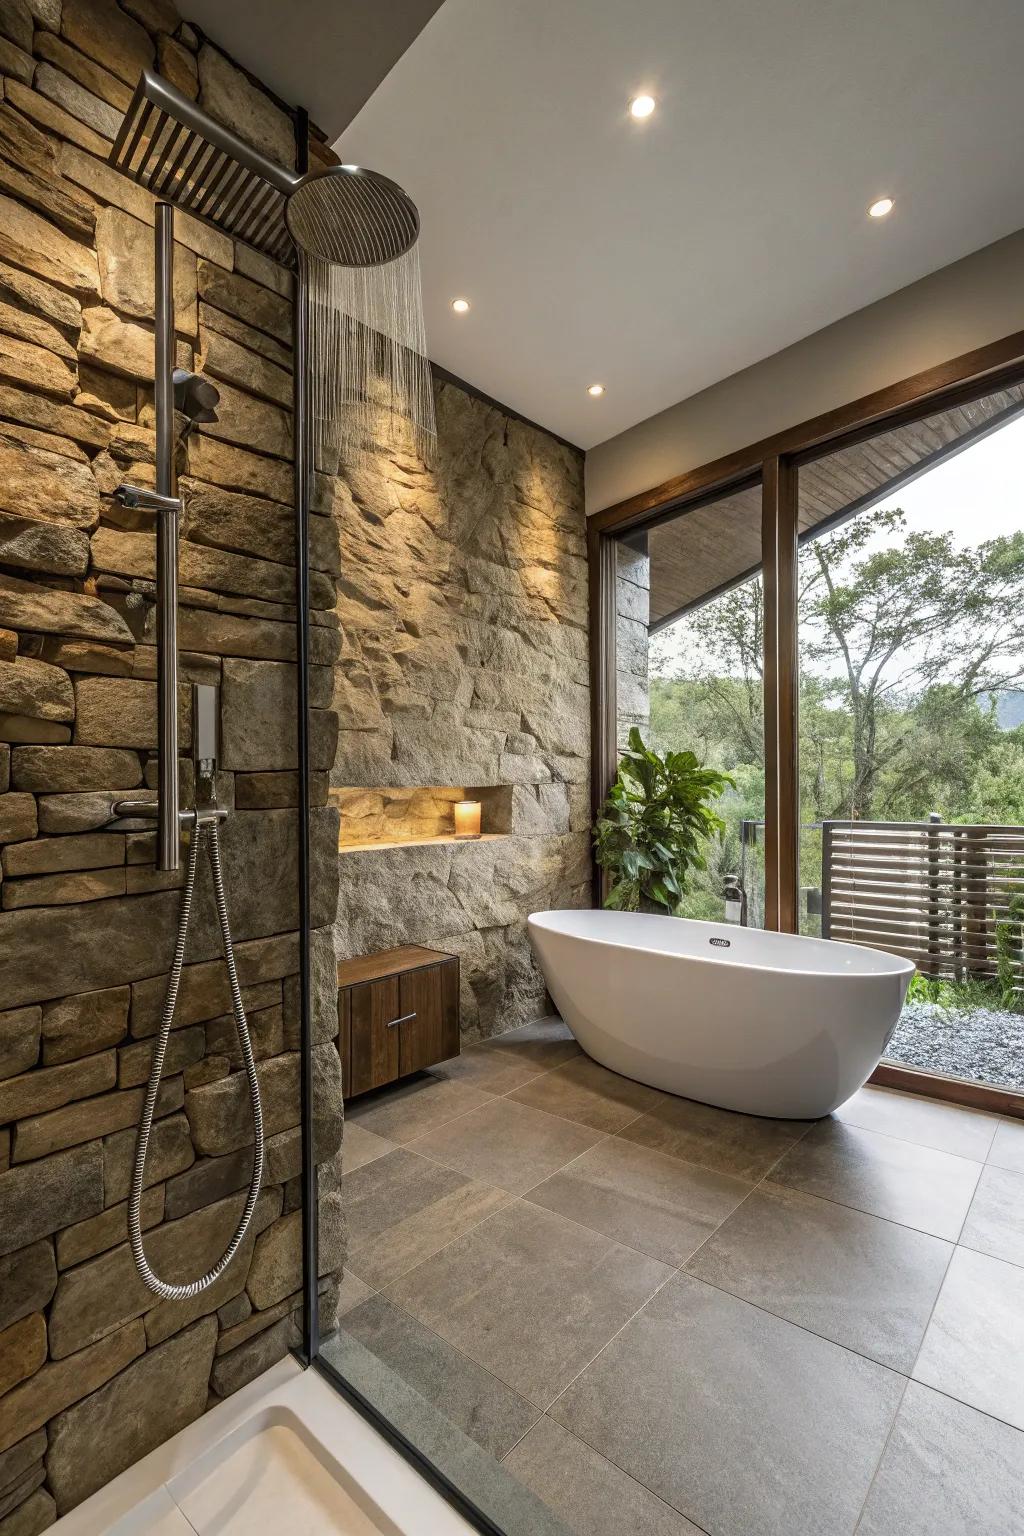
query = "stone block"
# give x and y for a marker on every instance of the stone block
(39, 1511)
(24, 361)
(16, 23)
(95, 850)
(76, 1124)
(228, 360)
(15, 62)
(33, 1093)
(235, 1370)
(121, 712)
(40, 333)
(46, 114)
(183, 1048)
(213, 1178)
(51, 548)
(19, 729)
(30, 409)
(25, 606)
(22, 1350)
(80, 1025)
(44, 1196)
(92, 76)
(21, 1459)
(246, 300)
(103, 31)
(50, 487)
(120, 1423)
(75, 768)
(231, 97)
(79, 102)
(124, 248)
(235, 469)
(63, 890)
(30, 687)
(273, 351)
(170, 1153)
(84, 812)
(120, 345)
(31, 293)
(178, 65)
(250, 422)
(88, 1238)
(218, 1113)
(28, 1279)
(17, 817)
(154, 15)
(252, 263)
(19, 1041)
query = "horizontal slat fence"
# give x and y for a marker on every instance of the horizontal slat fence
(930, 891)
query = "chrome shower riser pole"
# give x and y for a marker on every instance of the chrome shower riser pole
(169, 835)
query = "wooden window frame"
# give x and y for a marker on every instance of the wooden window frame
(776, 461)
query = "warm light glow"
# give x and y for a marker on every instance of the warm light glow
(881, 207)
(596, 390)
(642, 106)
(460, 306)
(467, 818)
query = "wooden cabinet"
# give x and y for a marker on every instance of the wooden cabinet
(398, 1012)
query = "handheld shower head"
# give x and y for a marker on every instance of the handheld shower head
(195, 397)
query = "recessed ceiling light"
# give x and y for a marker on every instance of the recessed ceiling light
(881, 207)
(642, 106)
(596, 390)
(460, 306)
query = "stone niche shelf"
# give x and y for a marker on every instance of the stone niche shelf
(415, 817)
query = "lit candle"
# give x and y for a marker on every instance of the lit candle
(467, 818)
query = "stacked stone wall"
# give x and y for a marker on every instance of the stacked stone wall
(94, 1369)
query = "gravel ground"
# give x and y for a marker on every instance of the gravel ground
(984, 1044)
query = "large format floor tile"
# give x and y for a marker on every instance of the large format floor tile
(995, 1221)
(883, 1175)
(974, 1347)
(583, 1090)
(1007, 1150)
(852, 1278)
(530, 1296)
(746, 1424)
(546, 1042)
(929, 1122)
(362, 1146)
(947, 1471)
(407, 1242)
(593, 1497)
(415, 1106)
(491, 1069)
(644, 1199)
(384, 1196)
(478, 1403)
(507, 1144)
(742, 1145)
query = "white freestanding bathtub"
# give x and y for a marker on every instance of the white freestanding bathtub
(766, 1023)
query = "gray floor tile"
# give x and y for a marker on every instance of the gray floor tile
(361, 1146)
(389, 1190)
(546, 1042)
(1007, 1150)
(491, 1069)
(593, 1497)
(585, 1091)
(855, 1279)
(507, 1144)
(746, 1424)
(386, 1256)
(947, 1471)
(483, 1407)
(530, 1296)
(974, 1347)
(352, 1292)
(742, 1145)
(995, 1221)
(642, 1198)
(900, 1180)
(415, 1106)
(929, 1122)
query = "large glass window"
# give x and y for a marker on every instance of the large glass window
(911, 614)
(689, 675)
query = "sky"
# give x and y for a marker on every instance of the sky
(977, 495)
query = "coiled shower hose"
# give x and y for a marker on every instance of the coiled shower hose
(205, 834)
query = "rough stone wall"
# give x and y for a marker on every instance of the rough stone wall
(94, 1370)
(463, 608)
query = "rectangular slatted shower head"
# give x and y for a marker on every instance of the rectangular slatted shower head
(175, 150)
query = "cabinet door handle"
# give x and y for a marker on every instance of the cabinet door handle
(405, 1018)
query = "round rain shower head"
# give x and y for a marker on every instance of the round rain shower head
(351, 217)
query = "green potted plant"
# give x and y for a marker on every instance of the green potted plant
(653, 825)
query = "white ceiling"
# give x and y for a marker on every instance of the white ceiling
(660, 257)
